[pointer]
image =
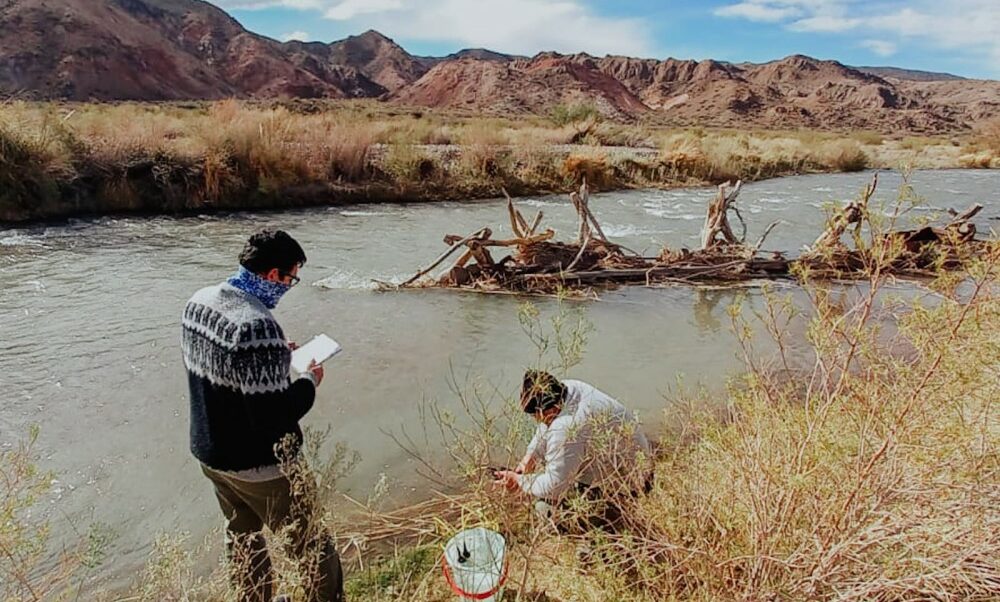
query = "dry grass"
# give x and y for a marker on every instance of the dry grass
(983, 152)
(868, 471)
(58, 160)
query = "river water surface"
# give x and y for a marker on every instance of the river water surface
(89, 331)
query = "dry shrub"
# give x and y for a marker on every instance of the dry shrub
(918, 143)
(484, 163)
(412, 130)
(335, 151)
(872, 478)
(407, 164)
(594, 169)
(865, 470)
(613, 134)
(280, 148)
(538, 167)
(36, 154)
(237, 149)
(722, 156)
(842, 155)
(868, 137)
(988, 135)
(116, 131)
(483, 133)
(483, 154)
(983, 151)
(980, 160)
(536, 136)
(869, 473)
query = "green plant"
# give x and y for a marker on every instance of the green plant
(396, 577)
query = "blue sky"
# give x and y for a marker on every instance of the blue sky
(957, 36)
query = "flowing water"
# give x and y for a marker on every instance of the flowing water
(89, 331)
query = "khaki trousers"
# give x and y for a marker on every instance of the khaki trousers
(285, 507)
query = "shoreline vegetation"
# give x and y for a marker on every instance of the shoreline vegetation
(855, 458)
(60, 160)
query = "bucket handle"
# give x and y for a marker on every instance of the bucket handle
(482, 596)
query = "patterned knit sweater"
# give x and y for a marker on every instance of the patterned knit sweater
(243, 401)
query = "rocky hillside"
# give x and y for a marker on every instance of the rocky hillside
(153, 50)
(189, 49)
(522, 85)
(377, 57)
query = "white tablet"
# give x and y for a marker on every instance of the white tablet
(320, 349)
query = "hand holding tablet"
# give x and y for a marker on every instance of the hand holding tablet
(319, 349)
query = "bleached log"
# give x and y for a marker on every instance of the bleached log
(585, 197)
(966, 215)
(961, 225)
(717, 217)
(852, 213)
(534, 224)
(481, 233)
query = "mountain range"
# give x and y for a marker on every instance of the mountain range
(159, 50)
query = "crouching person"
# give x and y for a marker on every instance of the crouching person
(245, 412)
(586, 443)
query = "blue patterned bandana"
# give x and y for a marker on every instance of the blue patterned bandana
(268, 292)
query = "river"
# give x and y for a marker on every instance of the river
(89, 331)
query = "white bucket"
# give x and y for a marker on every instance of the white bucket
(475, 564)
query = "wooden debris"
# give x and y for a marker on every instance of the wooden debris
(539, 264)
(852, 213)
(717, 217)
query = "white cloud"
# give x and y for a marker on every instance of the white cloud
(970, 28)
(825, 24)
(258, 4)
(758, 11)
(301, 36)
(879, 47)
(349, 9)
(513, 26)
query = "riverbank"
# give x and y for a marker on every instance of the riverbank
(65, 160)
(870, 473)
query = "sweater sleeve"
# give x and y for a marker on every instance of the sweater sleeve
(536, 448)
(283, 407)
(563, 458)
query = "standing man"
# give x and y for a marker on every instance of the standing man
(585, 442)
(245, 412)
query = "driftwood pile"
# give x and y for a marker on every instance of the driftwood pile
(537, 263)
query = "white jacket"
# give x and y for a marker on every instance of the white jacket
(594, 440)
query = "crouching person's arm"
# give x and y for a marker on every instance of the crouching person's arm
(563, 459)
(532, 455)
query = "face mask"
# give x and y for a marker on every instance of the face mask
(268, 292)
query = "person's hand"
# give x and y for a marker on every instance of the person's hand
(317, 371)
(506, 479)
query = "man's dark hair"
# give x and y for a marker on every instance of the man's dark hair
(269, 249)
(541, 391)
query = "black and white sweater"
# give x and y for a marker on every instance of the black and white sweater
(243, 400)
